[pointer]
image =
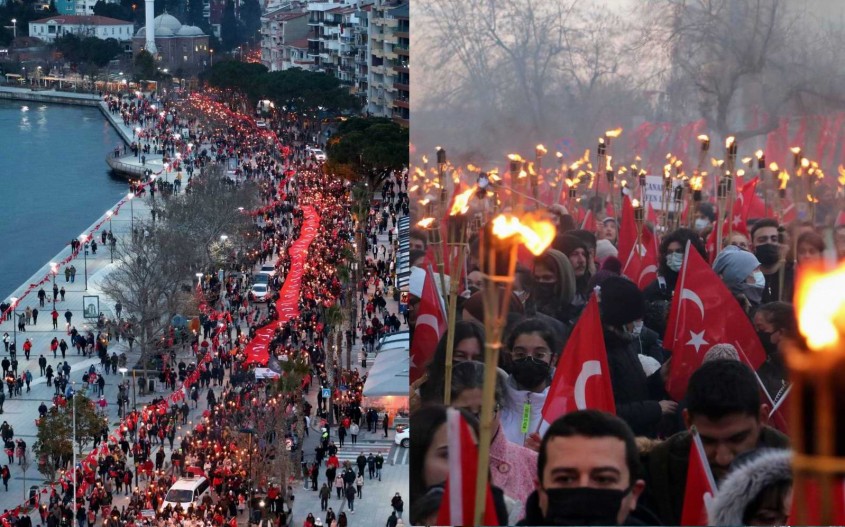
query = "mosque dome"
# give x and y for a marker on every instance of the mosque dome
(190, 31)
(165, 21)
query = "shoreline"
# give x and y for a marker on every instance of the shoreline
(91, 101)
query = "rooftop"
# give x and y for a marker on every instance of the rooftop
(82, 20)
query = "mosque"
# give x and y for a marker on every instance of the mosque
(176, 46)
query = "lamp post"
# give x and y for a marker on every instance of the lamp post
(14, 29)
(109, 213)
(84, 239)
(54, 268)
(130, 197)
(14, 323)
(73, 467)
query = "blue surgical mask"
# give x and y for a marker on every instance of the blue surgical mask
(759, 279)
(701, 224)
(674, 261)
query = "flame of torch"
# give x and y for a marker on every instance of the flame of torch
(613, 134)
(696, 182)
(461, 204)
(541, 150)
(536, 234)
(784, 179)
(729, 141)
(841, 170)
(821, 315)
(425, 223)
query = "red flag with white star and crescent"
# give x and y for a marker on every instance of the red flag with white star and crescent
(704, 313)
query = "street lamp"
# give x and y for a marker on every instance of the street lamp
(54, 268)
(14, 323)
(199, 280)
(109, 213)
(14, 29)
(84, 239)
(130, 197)
(73, 468)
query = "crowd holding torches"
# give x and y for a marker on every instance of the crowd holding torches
(476, 210)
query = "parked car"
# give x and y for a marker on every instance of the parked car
(403, 436)
(258, 293)
(318, 154)
(269, 270)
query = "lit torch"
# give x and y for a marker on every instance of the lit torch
(498, 262)
(817, 399)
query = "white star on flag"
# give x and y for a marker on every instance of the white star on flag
(737, 220)
(697, 340)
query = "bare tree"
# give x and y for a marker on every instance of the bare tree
(149, 286)
(729, 57)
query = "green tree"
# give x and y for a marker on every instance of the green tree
(229, 27)
(112, 10)
(235, 75)
(92, 51)
(251, 18)
(305, 91)
(372, 148)
(194, 13)
(145, 66)
(54, 440)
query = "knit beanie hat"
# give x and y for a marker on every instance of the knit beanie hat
(621, 301)
(720, 352)
(734, 265)
(605, 248)
(568, 243)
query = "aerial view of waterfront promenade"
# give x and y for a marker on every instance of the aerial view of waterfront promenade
(169, 333)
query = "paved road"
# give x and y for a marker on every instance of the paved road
(374, 507)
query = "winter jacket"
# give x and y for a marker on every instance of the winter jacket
(512, 468)
(665, 472)
(634, 403)
(745, 482)
(511, 414)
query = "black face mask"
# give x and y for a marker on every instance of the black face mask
(472, 290)
(766, 339)
(544, 294)
(584, 506)
(767, 254)
(529, 372)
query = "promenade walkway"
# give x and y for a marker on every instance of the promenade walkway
(20, 412)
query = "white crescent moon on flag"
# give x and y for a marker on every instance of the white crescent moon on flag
(429, 320)
(590, 368)
(648, 269)
(688, 294)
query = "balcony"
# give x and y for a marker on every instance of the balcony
(402, 103)
(314, 22)
(402, 87)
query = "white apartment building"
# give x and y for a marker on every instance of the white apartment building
(48, 29)
(284, 42)
(388, 62)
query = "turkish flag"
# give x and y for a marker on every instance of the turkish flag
(651, 215)
(703, 313)
(431, 325)
(700, 485)
(584, 357)
(627, 230)
(588, 222)
(458, 504)
(641, 265)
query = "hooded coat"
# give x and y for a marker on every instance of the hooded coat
(560, 308)
(631, 387)
(665, 468)
(745, 483)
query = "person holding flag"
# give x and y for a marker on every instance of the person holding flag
(639, 399)
(723, 403)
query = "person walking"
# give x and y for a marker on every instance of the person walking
(68, 316)
(67, 276)
(6, 340)
(325, 493)
(55, 315)
(73, 274)
(398, 505)
(62, 348)
(386, 423)
(55, 292)
(338, 485)
(392, 520)
(379, 464)
(118, 308)
(6, 475)
(359, 485)
(62, 293)
(350, 498)
(42, 361)
(371, 465)
(353, 431)
(42, 295)
(28, 315)
(35, 316)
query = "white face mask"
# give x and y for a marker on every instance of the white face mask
(759, 279)
(638, 327)
(674, 261)
(701, 224)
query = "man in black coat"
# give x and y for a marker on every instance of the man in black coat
(639, 399)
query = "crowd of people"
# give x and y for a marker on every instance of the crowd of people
(593, 468)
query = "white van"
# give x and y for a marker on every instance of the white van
(186, 491)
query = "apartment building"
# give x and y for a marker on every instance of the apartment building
(389, 59)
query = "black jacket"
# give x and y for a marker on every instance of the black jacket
(634, 403)
(666, 472)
